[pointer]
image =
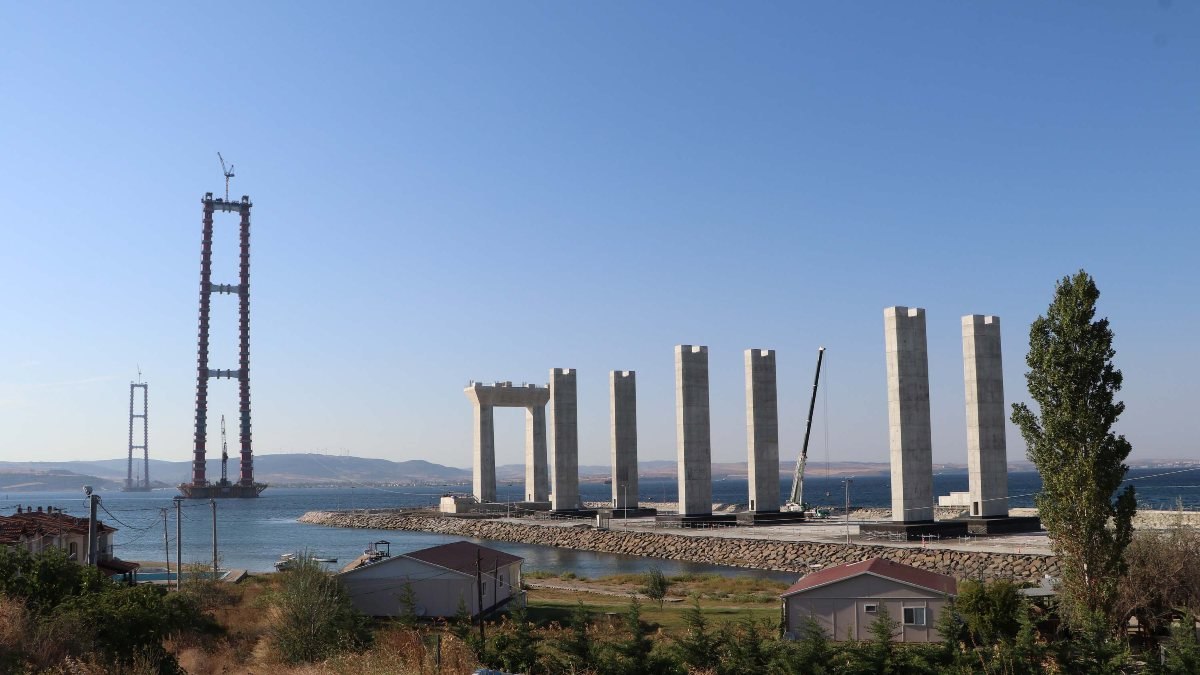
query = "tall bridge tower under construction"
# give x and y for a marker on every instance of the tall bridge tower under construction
(200, 487)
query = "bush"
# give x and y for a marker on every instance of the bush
(656, 586)
(312, 617)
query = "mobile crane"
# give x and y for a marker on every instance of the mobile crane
(796, 501)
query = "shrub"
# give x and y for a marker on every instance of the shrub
(312, 617)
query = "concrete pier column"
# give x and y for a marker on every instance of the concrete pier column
(622, 387)
(537, 475)
(762, 430)
(987, 460)
(564, 430)
(692, 440)
(908, 414)
(483, 474)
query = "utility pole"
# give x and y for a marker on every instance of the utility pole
(166, 545)
(92, 539)
(479, 591)
(213, 503)
(178, 543)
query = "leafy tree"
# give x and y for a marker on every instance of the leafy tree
(1162, 577)
(656, 586)
(697, 647)
(1072, 379)
(311, 615)
(1181, 654)
(124, 623)
(46, 579)
(990, 611)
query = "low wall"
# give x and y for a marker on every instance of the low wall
(786, 556)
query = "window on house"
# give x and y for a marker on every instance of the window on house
(871, 608)
(914, 616)
(73, 550)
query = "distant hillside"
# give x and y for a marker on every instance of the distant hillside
(315, 469)
(49, 481)
(281, 469)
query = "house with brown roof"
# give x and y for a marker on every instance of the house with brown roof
(442, 579)
(36, 529)
(845, 600)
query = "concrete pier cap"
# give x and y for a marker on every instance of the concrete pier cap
(485, 397)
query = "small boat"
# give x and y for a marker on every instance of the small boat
(286, 562)
(325, 560)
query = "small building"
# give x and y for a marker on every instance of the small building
(442, 579)
(846, 599)
(42, 529)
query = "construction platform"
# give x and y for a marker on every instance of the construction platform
(770, 518)
(218, 491)
(914, 531)
(625, 514)
(1003, 524)
(704, 519)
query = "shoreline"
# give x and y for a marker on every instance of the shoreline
(763, 548)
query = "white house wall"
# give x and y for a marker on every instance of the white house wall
(840, 608)
(376, 589)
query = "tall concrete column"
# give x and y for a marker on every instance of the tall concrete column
(622, 388)
(564, 429)
(762, 430)
(537, 477)
(483, 475)
(692, 441)
(987, 461)
(908, 414)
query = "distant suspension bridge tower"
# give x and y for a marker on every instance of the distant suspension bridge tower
(200, 487)
(139, 483)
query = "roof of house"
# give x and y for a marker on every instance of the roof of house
(463, 556)
(459, 556)
(886, 569)
(38, 523)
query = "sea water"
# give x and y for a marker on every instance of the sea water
(252, 533)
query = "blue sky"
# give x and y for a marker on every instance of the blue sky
(455, 191)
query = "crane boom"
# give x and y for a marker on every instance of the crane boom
(224, 454)
(797, 498)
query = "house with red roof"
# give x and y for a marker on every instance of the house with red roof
(36, 529)
(846, 599)
(441, 579)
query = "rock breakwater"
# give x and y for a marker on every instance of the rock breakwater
(785, 556)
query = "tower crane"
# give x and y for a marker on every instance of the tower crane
(228, 174)
(796, 501)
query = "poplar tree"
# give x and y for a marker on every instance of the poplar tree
(1071, 442)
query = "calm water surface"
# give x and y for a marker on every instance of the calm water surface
(253, 532)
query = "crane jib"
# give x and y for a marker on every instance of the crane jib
(797, 497)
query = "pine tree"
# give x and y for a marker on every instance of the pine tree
(1073, 382)
(697, 646)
